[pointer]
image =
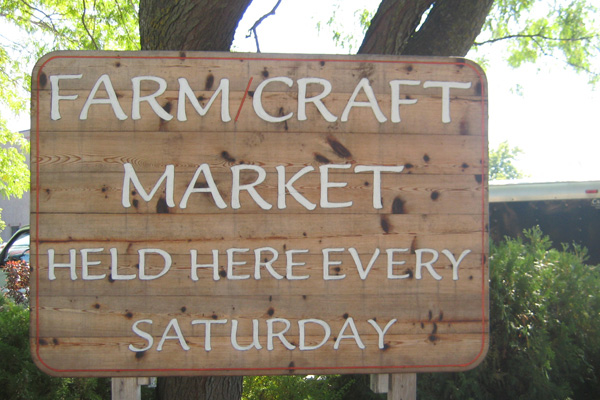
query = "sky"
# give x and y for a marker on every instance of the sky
(555, 119)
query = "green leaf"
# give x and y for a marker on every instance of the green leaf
(501, 162)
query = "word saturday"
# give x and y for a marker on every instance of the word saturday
(276, 330)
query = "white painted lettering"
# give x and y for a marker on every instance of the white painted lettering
(114, 267)
(211, 188)
(326, 185)
(56, 97)
(267, 263)
(365, 86)
(85, 264)
(207, 331)
(446, 86)
(302, 336)
(455, 262)
(380, 332)
(283, 186)
(257, 100)
(427, 264)
(142, 263)
(363, 273)
(354, 335)
(178, 336)
(249, 187)
(234, 342)
(195, 265)
(185, 91)
(316, 100)
(144, 335)
(377, 170)
(327, 263)
(112, 99)
(271, 334)
(391, 263)
(71, 264)
(397, 101)
(291, 264)
(150, 99)
(231, 264)
(131, 176)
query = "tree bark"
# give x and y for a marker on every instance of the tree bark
(206, 387)
(206, 25)
(449, 30)
(392, 26)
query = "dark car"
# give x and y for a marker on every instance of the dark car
(17, 248)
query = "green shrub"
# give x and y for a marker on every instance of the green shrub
(287, 388)
(20, 379)
(311, 387)
(544, 324)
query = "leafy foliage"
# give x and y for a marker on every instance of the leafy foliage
(567, 30)
(20, 379)
(348, 40)
(34, 28)
(37, 27)
(284, 388)
(501, 162)
(544, 323)
(17, 281)
(14, 174)
(312, 387)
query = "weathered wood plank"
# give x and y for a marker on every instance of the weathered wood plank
(438, 154)
(125, 389)
(277, 226)
(365, 244)
(399, 194)
(417, 350)
(403, 387)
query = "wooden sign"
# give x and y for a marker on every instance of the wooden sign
(248, 214)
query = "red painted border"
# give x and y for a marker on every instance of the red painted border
(245, 57)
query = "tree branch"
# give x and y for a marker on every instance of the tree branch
(450, 28)
(86, 28)
(258, 22)
(532, 36)
(536, 38)
(122, 13)
(392, 26)
(41, 22)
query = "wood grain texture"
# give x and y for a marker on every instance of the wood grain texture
(128, 284)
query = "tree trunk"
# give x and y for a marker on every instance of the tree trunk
(206, 387)
(449, 30)
(204, 25)
(392, 26)
(207, 25)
